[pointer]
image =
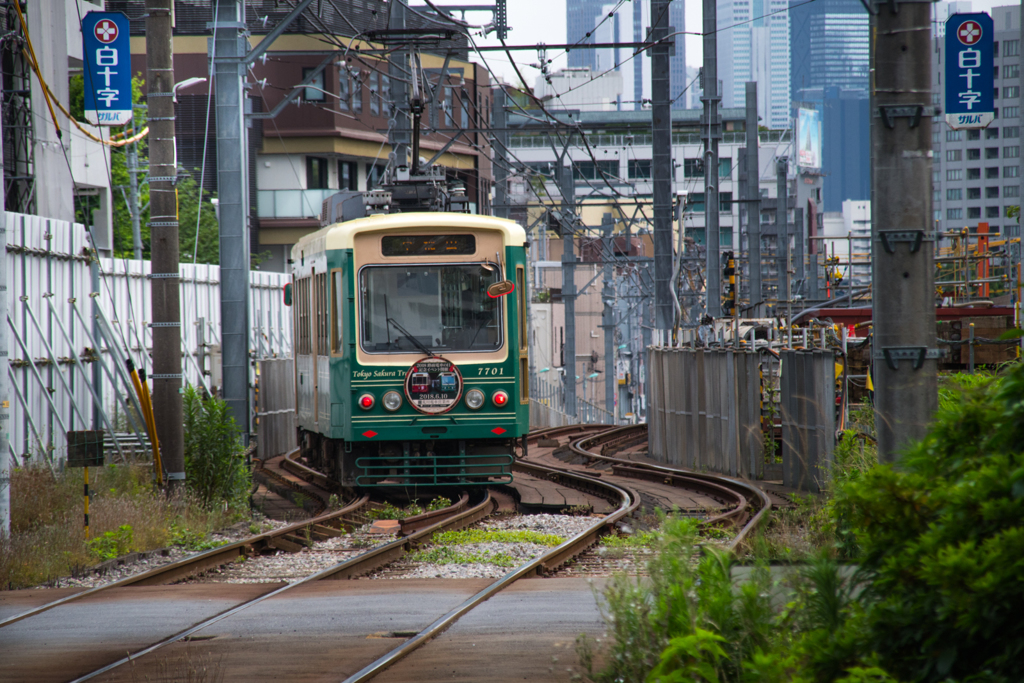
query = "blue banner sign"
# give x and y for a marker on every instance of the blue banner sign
(108, 68)
(969, 72)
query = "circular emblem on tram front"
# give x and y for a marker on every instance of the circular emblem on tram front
(433, 385)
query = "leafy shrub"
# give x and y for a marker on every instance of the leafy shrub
(214, 466)
(112, 543)
(439, 503)
(942, 539)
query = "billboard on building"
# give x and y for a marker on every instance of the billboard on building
(808, 148)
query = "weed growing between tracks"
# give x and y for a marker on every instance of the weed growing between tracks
(934, 596)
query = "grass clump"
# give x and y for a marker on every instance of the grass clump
(389, 511)
(447, 554)
(641, 539)
(47, 539)
(473, 536)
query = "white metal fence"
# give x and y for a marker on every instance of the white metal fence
(62, 308)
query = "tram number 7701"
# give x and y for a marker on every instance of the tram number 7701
(490, 371)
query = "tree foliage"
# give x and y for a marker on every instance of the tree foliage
(191, 212)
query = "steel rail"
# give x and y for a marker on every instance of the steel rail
(201, 562)
(355, 566)
(750, 491)
(629, 501)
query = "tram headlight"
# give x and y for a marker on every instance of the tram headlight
(500, 398)
(474, 399)
(392, 401)
(366, 401)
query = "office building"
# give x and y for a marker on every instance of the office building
(753, 45)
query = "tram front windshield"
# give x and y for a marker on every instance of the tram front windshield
(440, 308)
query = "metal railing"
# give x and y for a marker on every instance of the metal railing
(548, 407)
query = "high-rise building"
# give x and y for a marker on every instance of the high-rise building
(753, 45)
(608, 22)
(829, 46)
(829, 72)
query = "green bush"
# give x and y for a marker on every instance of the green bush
(214, 464)
(942, 541)
(112, 543)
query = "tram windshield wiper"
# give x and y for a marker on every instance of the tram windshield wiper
(415, 342)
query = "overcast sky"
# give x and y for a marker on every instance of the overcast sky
(536, 21)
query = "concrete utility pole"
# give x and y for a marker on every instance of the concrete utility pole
(499, 117)
(232, 190)
(163, 242)
(753, 202)
(608, 315)
(568, 188)
(661, 164)
(5, 389)
(903, 279)
(710, 127)
(799, 242)
(398, 71)
(782, 228)
(1017, 251)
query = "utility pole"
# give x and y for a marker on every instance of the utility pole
(132, 153)
(398, 71)
(661, 163)
(710, 127)
(608, 315)
(499, 117)
(782, 228)
(5, 389)
(163, 242)
(232, 166)
(905, 362)
(753, 202)
(799, 233)
(568, 188)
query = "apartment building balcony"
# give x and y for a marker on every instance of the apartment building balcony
(291, 204)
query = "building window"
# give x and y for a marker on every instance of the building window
(954, 154)
(991, 193)
(954, 135)
(954, 194)
(374, 93)
(991, 212)
(935, 137)
(693, 168)
(973, 193)
(591, 170)
(953, 214)
(973, 134)
(936, 196)
(357, 95)
(995, 49)
(995, 93)
(724, 167)
(725, 202)
(344, 90)
(992, 172)
(316, 92)
(995, 71)
(991, 152)
(935, 177)
(640, 169)
(385, 94)
(374, 174)
(1011, 191)
(974, 154)
(991, 133)
(316, 173)
(1011, 48)
(464, 101)
(937, 214)
(1011, 132)
(1011, 171)
(974, 174)
(1011, 112)
(974, 212)
(347, 176)
(1011, 152)
(1011, 92)
(955, 174)
(696, 202)
(1011, 71)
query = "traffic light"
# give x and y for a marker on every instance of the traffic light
(729, 277)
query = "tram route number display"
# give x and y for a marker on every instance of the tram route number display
(433, 385)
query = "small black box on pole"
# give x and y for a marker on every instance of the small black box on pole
(85, 448)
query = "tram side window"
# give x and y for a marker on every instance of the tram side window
(524, 360)
(338, 339)
(321, 314)
(302, 292)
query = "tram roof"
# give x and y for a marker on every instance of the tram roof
(342, 235)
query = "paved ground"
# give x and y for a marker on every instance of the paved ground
(320, 632)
